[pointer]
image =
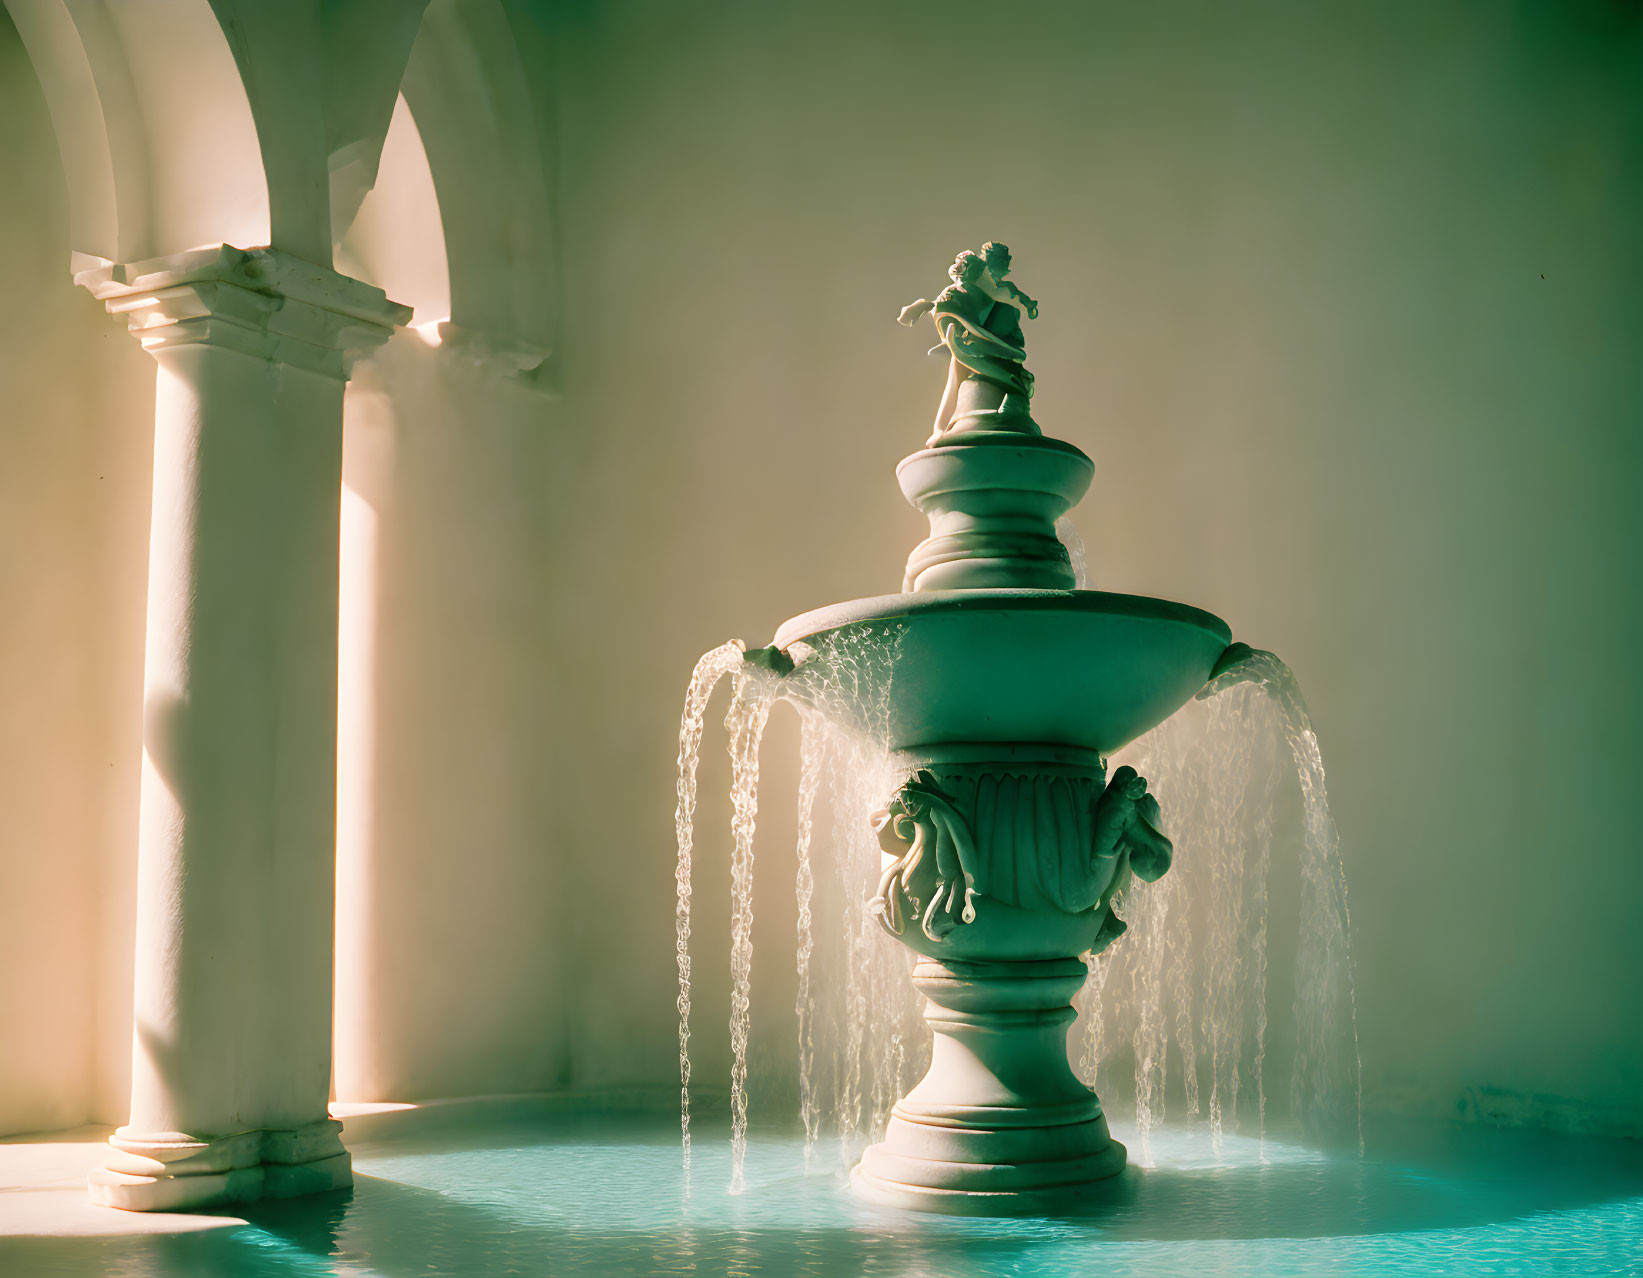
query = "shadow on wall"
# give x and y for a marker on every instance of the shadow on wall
(449, 879)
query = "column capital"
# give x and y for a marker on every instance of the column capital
(261, 302)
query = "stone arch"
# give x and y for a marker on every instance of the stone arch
(153, 124)
(488, 130)
(396, 238)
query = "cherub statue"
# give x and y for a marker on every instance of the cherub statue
(978, 317)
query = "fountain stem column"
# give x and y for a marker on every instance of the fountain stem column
(231, 1058)
(1000, 1111)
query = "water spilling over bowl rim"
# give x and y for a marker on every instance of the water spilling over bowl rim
(1056, 668)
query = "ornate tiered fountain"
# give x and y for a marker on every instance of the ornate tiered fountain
(1008, 691)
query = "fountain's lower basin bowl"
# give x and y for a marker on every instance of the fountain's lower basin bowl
(1079, 668)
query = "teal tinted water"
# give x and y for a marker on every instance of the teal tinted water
(605, 1197)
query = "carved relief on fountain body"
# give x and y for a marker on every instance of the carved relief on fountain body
(1014, 861)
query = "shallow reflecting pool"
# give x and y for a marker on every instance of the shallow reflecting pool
(606, 1196)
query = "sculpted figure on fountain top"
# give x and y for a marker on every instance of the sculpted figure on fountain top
(989, 480)
(978, 317)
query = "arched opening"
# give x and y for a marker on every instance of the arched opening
(153, 124)
(397, 239)
(487, 127)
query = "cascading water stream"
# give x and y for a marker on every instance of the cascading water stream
(1195, 956)
(864, 1012)
(1190, 975)
(745, 723)
(1192, 965)
(843, 695)
(1326, 1011)
(712, 667)
(812, 751)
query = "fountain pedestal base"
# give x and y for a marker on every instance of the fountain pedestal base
(1000, 1125)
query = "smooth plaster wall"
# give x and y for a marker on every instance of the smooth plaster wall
(76, 436)
(1345, 303)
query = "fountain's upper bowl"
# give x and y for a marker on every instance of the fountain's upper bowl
(1078, 668)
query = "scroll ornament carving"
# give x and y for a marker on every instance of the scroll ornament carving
(1032, 841)
(931, 857)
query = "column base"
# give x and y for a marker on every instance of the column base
(168, 1171)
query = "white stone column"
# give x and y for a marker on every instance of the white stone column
(236, 856)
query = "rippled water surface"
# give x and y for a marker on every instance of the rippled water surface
(606, 1197)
